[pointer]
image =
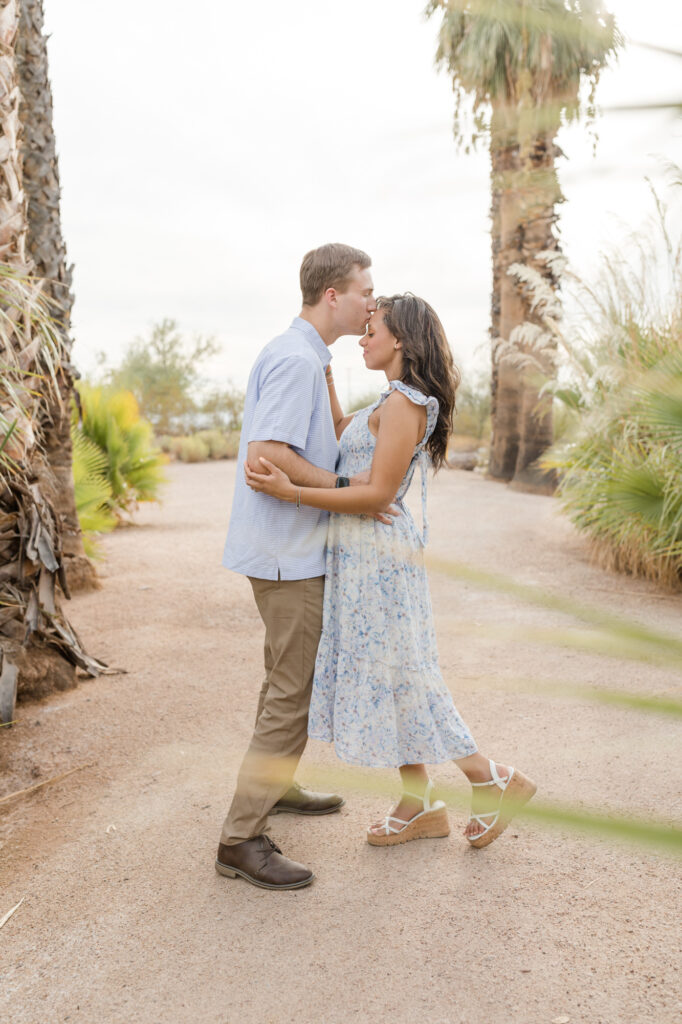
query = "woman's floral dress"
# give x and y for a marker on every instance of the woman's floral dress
(378, 691)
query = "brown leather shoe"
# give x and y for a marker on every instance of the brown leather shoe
(297, 800)
(260, 861)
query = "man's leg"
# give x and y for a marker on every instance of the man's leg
(267, 662)
(292, 613)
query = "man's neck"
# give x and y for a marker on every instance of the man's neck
(320, 323)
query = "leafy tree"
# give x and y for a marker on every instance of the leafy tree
(163, 372)
(473, 405)
(223, 410)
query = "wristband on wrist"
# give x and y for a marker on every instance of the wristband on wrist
(342, 481)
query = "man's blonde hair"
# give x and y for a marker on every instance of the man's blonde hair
(330, 266)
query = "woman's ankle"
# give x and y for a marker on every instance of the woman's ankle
(476, 767)
(414, 778)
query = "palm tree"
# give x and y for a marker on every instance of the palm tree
(36, 641)
(523, 62)
(48, 252)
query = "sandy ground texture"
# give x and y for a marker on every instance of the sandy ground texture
(124, 918)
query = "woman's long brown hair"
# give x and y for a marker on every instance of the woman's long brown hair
(428, 365)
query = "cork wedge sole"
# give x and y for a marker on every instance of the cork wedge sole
(517, 792)
(433, 824)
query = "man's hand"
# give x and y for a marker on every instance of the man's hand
(388, 515)
(272, 481)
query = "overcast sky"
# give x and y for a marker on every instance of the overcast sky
(205, 147)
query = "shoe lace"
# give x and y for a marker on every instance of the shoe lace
(269, 847)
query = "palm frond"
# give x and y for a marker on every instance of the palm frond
(528, 59)
(134, 466)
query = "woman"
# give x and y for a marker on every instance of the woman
(378, 691)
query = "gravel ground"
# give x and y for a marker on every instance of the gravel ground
(124, 919)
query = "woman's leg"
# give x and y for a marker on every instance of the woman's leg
(484, 799)
(414, 779)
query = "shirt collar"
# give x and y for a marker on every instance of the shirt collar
(312, 336)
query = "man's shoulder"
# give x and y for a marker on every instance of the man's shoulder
(291, 342)
(289, 345)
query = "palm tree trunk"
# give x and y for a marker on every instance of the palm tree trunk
(541, 193)
(48, 252)
(38, 648)
(13, 209)
(506, 303)
(495, 244)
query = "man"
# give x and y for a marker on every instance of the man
(287, 418)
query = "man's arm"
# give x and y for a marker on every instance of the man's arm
(284, 410)
(299, 470)
(304, 474)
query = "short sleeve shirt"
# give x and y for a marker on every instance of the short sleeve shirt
(287, 400)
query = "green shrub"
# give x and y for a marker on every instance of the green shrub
(134, 466)
(233, 438)
(217, 443)
(622, 476)
(190, 449)
(199, 447)
(164, 442)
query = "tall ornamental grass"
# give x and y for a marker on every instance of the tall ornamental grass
(620, 458)
(622, 474)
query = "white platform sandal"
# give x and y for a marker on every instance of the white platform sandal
(516, 791)
(431, 823)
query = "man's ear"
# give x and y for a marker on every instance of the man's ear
(331, 297)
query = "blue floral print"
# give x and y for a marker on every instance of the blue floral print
(378, 692)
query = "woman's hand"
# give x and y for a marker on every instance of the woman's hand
(274, 481)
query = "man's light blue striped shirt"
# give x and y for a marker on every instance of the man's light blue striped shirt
(287, 399)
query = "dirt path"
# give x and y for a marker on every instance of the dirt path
(124, 919)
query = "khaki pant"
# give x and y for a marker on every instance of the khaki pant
(292, 613)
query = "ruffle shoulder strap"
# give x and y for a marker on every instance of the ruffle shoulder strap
(419, 398)
(420, 456)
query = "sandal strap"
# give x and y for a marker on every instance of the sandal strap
(485, 825)
(389, 828)
(426, 804)
(425, 799)
(496, 780)
(479, 817)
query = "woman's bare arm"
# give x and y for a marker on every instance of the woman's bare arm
(340, 421)
(401, 426)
